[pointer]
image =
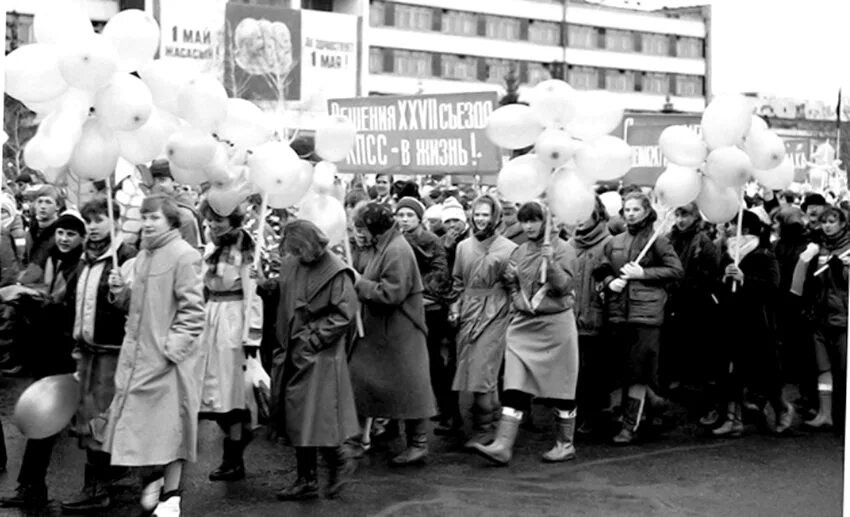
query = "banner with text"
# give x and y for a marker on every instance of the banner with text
(192, 33)
(420, 134)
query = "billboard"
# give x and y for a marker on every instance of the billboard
(191, 33)
(302, 57)
(420, 134)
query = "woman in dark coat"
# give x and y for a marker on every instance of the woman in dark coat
(636, 295)
(389, 366)
(312, 396)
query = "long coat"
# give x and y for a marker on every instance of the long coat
(153, 419)
(312, 397)
(584, 255)
(389, 366)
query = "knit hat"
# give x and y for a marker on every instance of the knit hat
(160, 169)
(433, 212)
(452, 210)
(71, 220)
(412, 204)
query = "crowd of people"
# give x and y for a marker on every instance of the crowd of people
(445, 292)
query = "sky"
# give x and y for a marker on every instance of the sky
(787, 48)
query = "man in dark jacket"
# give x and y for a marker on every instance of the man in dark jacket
(48, 203)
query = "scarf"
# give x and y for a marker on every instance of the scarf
(636, 228)
(837, 242)
(747, 244)
(153, 243)
(95, 249)
(233, 247)
(585, 238)
(60, 270)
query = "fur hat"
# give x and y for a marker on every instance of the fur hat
(452, 209)
(412, 204)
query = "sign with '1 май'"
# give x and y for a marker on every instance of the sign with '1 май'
(420, 134)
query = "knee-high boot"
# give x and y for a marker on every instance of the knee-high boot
(416, 431)
(502, 449)
(94, 495)
(340, 468)
(564, 449)
(306, 485)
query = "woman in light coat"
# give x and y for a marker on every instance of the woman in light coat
(153, 420)
(233, 329)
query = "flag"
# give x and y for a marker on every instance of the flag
(838, 111)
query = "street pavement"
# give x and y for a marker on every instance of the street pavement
(679, 472)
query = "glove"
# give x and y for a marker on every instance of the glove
(617, 285)
(632, 271)
(810, 252)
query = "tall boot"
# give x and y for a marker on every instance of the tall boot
(734, 424)
(340, 468)
(482, 427)
(631, 420)
(824, 417)
(417, 443)
(565, 426)
(502, 448)
(232, 466)
(94, 495)
(306, 485)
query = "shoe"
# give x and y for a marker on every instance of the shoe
(733, 427)
(340, 468)
(784, 419)
(625, 437)
(631, 421)
(93, 497)
(170, 507)
(710, 418)
(502, 449)
(820, 421)
(26, 496)
(232, 466)
(151, 493)
(302, 489)
(564, 449)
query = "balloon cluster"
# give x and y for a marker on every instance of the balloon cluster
(711, 168)
(569, 130)
(101, 97)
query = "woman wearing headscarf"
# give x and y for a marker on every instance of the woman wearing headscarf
(636, 293)
(482, 314)
(232, 331)
(825, 291)
(748, 344)
(584, 255)
(389, 365)
(312, 399)
(541, 356)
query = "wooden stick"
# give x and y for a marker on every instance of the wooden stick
(547, 239)
(823, 268)
(261, 226)
(113, 245)
(738, 247)
(358, 318)
(648, 246)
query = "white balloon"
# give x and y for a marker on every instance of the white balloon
(32, 73)
(779, 177)
(191, 177)
(324, 175)
(62, 22)
(190, 148)
(604, 159)
(598, 113)
(165, 78)
(297, 188)
(726, 120)
(513, 126)
(677, 185)
(135, 35)
(274, 167)
(523, 178)
(202, 101)
(225, 200)
(124, 104)
(245, 124)
(612, 201)
(96, 153)
(327, 213)
(570, 197)
(148, 142)
(683, 146)
(553, 103)
(555, 147)
(89, 63)
(35, 153)
(718, 204)
(728, 167)
(335, 137)
(765, 149)
(757, 125)
(218, 171)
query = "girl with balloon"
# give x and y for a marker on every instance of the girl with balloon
(233, 330)
(635, 274)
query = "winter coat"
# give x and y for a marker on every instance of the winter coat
(389, 366)
(584, 253)
(312, 397)
(698, 255)
(153, 418)
(39, 241)
(750, 312)
(641, 301)
(826, 294)
(433, 266)
(558, 296)
(515, 233)
(10, 264)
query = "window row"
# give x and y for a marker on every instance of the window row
(492, 70)
(464, 23)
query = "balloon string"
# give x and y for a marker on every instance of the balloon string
(738, 243)
(261, 226)
(114, 246)
(547, 239)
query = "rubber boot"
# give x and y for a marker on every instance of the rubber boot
(94, 497)
(565, 426)
(232, 466)
(631, 420)
(734, 424)
(417, 443)
(169, 504)
(340, 468)
(784, 415)
(824, 417)
(502, 448)
(306, 485)
(482, 428)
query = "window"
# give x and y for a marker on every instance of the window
(581, 36)
(656, 44)
(536, 73)
(18, 30)
(658, 84)
(689, 47)
(376, 14)
(412, 64)
(583, 77)
(460, 23)
(544, 33)
(376, 60)
(688, 86)
(459, 67)
(619, 80)
(619, 41)
(411, 17)
(499, 27)
(497, 69)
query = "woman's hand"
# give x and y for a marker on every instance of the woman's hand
(632, 271)
(115, 281)
(734, 272)
(547, 252)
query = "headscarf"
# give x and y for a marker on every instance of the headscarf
(495, 219)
